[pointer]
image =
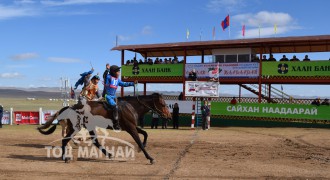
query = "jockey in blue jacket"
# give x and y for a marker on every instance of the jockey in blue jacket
(111, 84)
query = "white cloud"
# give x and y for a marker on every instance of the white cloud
(10, 75)
(7, 12)
(24, 2)
(84, 2)
(63, 60)
(226, 6)
(19, 66)
(146, 30)
(124, 38)
(24, 56)
(266, 20)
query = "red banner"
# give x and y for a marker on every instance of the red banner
(26, 117)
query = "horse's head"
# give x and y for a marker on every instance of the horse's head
(160, 106)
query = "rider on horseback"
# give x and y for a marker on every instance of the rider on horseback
(92, 89)
(112, 82)
(84, 79)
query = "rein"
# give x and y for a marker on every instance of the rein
(155, 109)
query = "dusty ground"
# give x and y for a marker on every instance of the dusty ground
(220, 153)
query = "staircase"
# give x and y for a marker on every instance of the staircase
(275, 93)
(198, 113)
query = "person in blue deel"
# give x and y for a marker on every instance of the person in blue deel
(111, 84)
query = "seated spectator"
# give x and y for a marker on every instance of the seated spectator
(175, 58)
(294, 58)
(140, 61)
(156, 61)
(233, 101)
(255, 58)
(150, 61)
(128, 63)
(168, 62)
(136, 63)
(284, 58)
(271, 58)
(145, 61)
(161, 61)
(316, 102)
(175, 61)
(192, 75)
(132, 62)
(306, 58)
(325, 102)
(264, 58)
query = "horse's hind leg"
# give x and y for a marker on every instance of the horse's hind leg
(145, 135)
(65, 141)
(98, 145)
(134, 133)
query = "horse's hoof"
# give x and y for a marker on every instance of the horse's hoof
(152, 161)
(67, 160)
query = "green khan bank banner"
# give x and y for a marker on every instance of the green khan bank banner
(272, 110)
(296, 68)
(152, 70)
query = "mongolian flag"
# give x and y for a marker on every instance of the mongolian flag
(225, 23)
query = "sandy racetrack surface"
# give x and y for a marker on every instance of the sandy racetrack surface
(220, 153)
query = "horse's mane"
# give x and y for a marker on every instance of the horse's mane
(131, 97)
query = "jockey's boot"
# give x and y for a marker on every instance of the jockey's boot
(115, 120)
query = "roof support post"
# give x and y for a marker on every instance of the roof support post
(122, 63)
(269, 92)
(260, 71)
(203, 56)
(183, 74)
(144, 88)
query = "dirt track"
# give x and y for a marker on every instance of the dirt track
(220, 153)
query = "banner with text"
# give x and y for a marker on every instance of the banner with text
(46, 114)
(202, 89)
(184, 106)
(23, 117)
(152, 70)
(5, 117)
(272, 110)
(296, 68)
(225, 70)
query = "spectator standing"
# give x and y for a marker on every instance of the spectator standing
(164, 123)
(233, 101)
(325, 102)
(105, 74)
(1, 114)
(316, 102)
(180, 98)
(193, 75)
(175, 116)
(205, 114)
(154, 121)
(141, 121)
(306, 58)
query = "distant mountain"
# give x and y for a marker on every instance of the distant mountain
(55, 93)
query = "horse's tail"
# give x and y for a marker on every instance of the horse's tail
(49, 122)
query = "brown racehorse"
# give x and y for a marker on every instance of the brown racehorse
(127, 115)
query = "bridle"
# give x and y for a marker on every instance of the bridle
(154, 108)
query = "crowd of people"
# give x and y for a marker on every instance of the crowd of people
(317, 102)
(255, 58)
(149, 61)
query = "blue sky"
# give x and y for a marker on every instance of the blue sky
(43, 40)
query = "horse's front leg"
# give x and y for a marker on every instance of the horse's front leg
(98, 145)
